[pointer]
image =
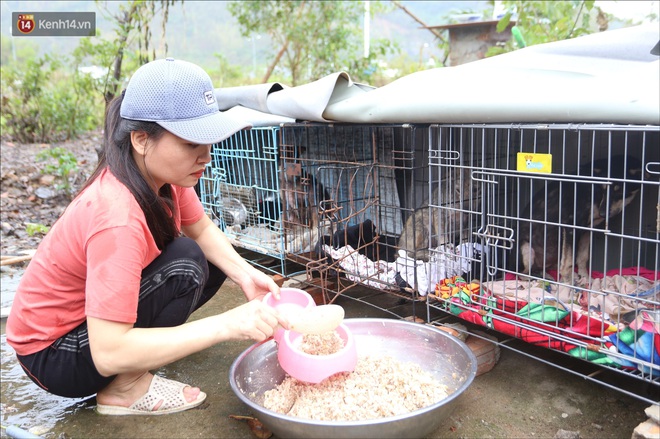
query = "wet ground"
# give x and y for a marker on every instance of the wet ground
(520, 397)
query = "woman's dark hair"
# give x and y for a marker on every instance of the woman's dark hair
(117, 155)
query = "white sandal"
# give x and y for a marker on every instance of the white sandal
(161, 390)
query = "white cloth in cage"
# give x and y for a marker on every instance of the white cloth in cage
(359, 268)
(446, 261)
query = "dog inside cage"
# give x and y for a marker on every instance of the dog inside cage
(556, 225)
(591, 209)
(569, 234)
(456, 196)
(305, 201)
(324, 184)
(589, 215)
(240, 190)
(358, 217)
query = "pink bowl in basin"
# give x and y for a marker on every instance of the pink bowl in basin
(315, 368)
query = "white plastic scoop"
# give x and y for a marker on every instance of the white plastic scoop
(316, 320)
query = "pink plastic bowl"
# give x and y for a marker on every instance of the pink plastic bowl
(316, 368)
(291, 300)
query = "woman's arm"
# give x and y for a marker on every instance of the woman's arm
(120, 348)
(220, 252)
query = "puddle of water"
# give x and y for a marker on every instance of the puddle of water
(23, 403)
(8, 285)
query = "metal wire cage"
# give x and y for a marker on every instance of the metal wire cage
(347, 190)
(549, 234)
(564, 245)
(240, 191)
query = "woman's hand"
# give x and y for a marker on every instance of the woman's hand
(255, 320)
(256, 284)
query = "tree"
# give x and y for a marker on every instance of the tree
(133, 20)
(46, 99)
(546, 21)
(312, 38)
(443, 42)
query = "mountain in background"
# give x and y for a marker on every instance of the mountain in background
(198, 30)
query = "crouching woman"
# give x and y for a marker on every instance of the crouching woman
(107, 296)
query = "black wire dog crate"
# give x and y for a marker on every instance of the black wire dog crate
(563, 238)
(333, 198)
(240, 191)
(347, 190)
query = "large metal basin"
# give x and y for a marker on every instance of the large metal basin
(257, 370)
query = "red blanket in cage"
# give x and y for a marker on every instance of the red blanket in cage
(550, 324)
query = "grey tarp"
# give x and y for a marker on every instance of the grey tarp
(608, 77)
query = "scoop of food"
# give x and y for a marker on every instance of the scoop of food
(317, 320)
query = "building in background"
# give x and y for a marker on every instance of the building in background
(470, 40)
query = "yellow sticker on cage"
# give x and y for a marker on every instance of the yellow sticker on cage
(532, 162)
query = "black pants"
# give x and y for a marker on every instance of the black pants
(173, 286)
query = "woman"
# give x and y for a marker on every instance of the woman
(107, 295)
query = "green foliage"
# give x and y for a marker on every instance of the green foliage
(62, 164)
(226, 75)
(311, 38)
(16, 49)
(43, 101)
(33, 228)
(397, 67)
(99, 52)
(132, 20)
(50, 99)
(546, 21)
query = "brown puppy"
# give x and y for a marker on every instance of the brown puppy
(303, 199)
(424, 229)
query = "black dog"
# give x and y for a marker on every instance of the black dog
(563, 210)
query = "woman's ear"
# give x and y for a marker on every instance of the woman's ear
(139, 140)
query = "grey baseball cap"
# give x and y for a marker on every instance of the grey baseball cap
(178, 96)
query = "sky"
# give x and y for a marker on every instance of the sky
(636, 10)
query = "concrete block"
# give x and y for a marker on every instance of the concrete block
(647, 430)
(485, 348)
(653, 412)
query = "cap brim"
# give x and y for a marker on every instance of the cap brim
(212, 128)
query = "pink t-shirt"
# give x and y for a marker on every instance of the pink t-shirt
(89, 264)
